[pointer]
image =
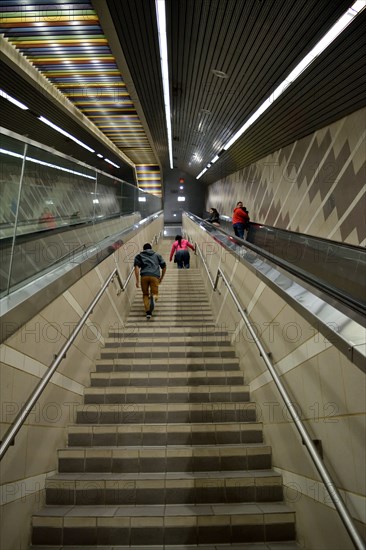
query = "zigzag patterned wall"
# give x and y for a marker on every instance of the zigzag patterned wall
(316, 185)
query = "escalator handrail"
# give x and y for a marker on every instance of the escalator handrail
(333, 291)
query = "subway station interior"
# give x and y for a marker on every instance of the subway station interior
(227, 408)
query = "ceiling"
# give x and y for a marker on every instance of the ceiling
(105, 59)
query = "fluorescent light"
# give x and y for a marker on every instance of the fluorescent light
(161, 21)
(99, 155)
(201, 173)
(55, 166)
(13, 100)
(215, 159)
(58, 129)
(181, 199)
(112, 163)
(95, 201)
(11, 154)
(327, 39)
(142, 199)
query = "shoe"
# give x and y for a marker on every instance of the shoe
(152, 304)
(148, 315)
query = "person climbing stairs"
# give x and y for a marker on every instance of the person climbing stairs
(167, 450)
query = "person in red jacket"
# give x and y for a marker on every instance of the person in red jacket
(180, 249)
(240, 220)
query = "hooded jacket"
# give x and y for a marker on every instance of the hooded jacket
(149, 263)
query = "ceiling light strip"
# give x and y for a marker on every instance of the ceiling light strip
(161, 21)
(112, 163)
(13, 100)
(48, 164)
(63, 132)
(327, 39)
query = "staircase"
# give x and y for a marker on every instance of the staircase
(166, 451)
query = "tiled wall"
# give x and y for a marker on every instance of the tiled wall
(25, 357)
(328, 389)
(314, 186)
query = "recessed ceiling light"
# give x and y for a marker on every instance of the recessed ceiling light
(219, 74)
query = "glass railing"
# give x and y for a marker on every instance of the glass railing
(339, 269)
(52, 204)
(341, 266)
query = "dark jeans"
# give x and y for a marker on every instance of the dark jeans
(182, 257)
(239, 229)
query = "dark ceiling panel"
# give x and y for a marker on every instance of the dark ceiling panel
(335, 85)
(256, 43)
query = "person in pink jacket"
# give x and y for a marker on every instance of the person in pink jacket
(180, 249)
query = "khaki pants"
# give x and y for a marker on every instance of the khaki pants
(149, 285)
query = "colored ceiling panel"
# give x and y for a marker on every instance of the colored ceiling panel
(65, 42)
(149, 178)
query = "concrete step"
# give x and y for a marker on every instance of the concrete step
(137, 413)
(156, 459)
(173, 318)
(160, 378)
(164, 525)
(166, 488)
(156, 352)
(166, 323)
(162, 434)
(147, 331)
(166, 394)
(169, 364)
(143, 340)
(241, 546)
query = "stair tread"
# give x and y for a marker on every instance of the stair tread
(242, 546)
(111, 407)
(157, 510)
(171, 425)
(167, 448)
(179, 388)
(171, 375)
(109, 476)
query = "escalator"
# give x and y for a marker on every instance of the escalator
(336, 271)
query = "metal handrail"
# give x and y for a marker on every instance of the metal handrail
(67, 254)
(318, 462)
(27, 407)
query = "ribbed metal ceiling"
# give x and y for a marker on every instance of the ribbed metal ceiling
(254, 43)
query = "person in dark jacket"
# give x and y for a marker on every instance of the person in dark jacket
(214, 217)
(150, 268)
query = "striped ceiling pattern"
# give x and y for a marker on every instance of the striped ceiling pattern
(149, 178)
(65, 42)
